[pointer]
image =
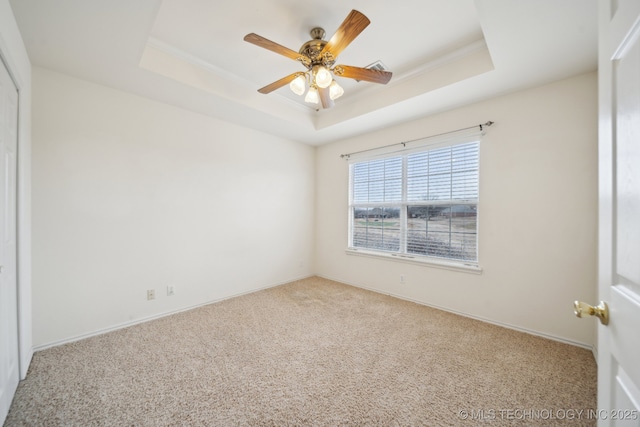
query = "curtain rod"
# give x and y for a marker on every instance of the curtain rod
(404, 144)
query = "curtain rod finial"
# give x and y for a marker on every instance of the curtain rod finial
(489, 123)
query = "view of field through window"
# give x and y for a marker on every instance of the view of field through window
(423, 203)
(438, 231)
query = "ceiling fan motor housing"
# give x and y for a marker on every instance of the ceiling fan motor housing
(312, 49)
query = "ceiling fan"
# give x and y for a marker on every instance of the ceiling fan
(319, 57)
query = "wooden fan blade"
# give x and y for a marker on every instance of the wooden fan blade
(272, 46)
(353, 25)
(326, 100)
(278, 84)
(366, 74)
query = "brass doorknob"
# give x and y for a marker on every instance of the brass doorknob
(601, 311)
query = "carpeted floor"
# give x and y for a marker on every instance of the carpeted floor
(309, 353)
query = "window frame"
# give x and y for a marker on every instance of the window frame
(402, 254)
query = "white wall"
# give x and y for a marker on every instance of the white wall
(130, 194)
(537, 213)
(14, 54)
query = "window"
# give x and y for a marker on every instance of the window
(422, 203)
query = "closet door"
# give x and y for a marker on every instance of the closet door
(9, 372)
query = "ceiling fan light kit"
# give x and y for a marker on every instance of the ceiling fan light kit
(319, 57)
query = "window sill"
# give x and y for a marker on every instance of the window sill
(428, 262)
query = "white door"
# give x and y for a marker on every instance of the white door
(619, 212)
(9, 374)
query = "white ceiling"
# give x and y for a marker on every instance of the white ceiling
(191, 53)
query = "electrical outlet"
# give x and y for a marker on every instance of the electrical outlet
(151, 294)
(170, 290)
(402, 279)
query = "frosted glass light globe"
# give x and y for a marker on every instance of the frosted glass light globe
(323, 77)
(298, 85)
(312, 96)
(335, 90)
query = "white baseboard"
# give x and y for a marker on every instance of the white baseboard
(482, 319)
(157, 316)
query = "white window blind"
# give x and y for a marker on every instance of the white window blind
(422, 203)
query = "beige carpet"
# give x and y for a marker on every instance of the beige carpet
(309, 353)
